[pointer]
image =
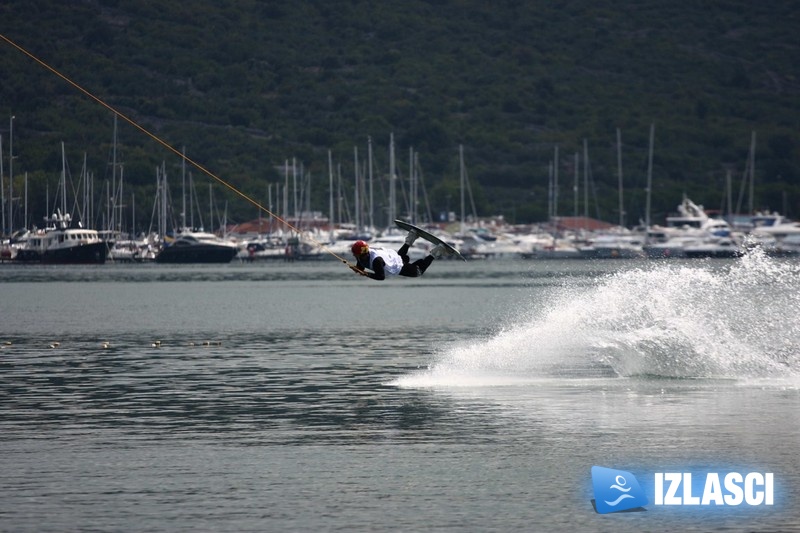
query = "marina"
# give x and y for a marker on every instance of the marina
(265, 396)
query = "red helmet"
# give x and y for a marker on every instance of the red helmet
(359, 247)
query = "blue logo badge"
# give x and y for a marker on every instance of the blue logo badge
(616, 490)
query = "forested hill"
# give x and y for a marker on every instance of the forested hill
(245, 85)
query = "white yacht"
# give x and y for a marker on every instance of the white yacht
(621, 244)
(691, 229)
(63, 242)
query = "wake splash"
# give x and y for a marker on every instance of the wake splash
(666, 320)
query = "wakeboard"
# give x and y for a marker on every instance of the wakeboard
(430, 237)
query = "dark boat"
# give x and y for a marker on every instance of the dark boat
(197, 247)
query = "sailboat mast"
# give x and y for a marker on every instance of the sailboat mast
(729, 195)
(339, 198)
(192, 202)
(107, 218)
(462, 175)
(133, 215)
(25, 213)
(371, 197)
(308, 193)
(84, 204)
(586, 180)
(118, 201)
(269, 206)
(555, 183)
(330, 194)
(392, 192)
(63, 180)
(412, 207)
(575, 186)
(294, 189)
(113, 177)
(550, 192)
(649, 175)
(163, 218)
(2, 191)
(619, 171)
(11, 175)
(90, 198)
(286, 189)
(752, 171)
(357, 197)
(183, 187)
(417, 178)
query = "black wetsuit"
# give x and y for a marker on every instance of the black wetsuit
(411, 270)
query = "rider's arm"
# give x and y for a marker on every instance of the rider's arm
(378, 271)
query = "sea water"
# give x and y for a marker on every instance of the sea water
(297, 397)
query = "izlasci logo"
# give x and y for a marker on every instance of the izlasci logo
(732, 489)
(616, 490)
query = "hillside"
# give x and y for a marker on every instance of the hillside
(245, 86)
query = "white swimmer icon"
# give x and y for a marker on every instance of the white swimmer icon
(620, 486)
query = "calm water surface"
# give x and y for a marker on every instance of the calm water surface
(275, 397)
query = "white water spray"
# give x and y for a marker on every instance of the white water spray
(697, 320)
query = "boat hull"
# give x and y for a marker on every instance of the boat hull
(25, 255)
(713, 254)
(664, 252)
(85, 254)
(197, 254)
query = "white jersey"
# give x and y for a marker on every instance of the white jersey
(393, 263)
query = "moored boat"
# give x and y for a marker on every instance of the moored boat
(197, 247)
(714, 248)
(63, 243)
